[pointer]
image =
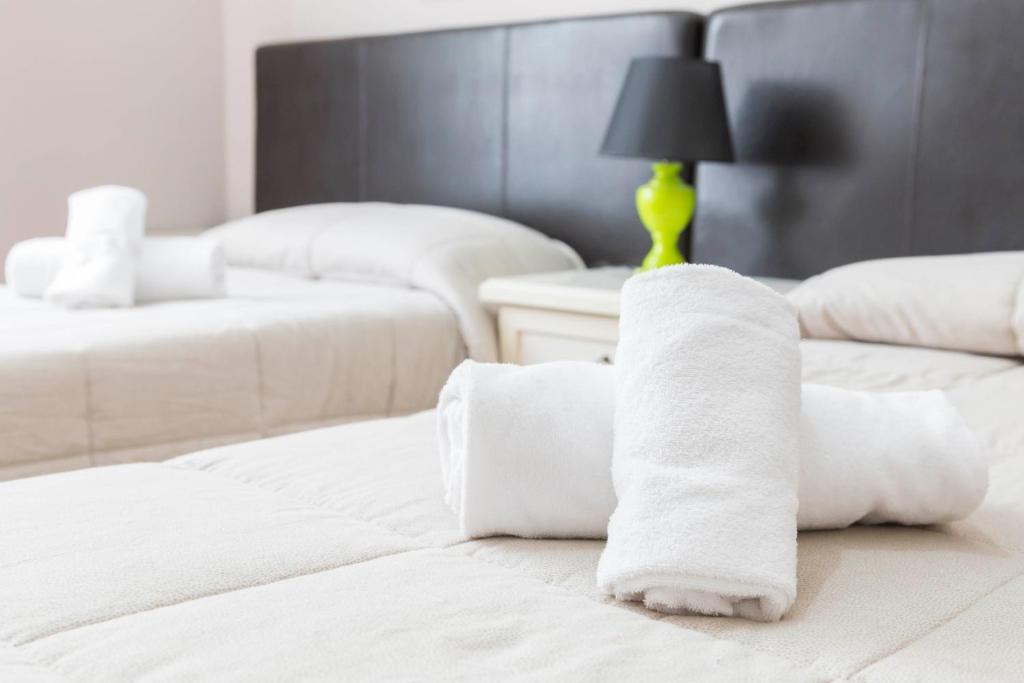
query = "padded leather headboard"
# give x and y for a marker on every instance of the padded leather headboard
(507, 120)
(865, 128)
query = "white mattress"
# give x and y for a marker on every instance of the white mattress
(330, 555)
(281, 354)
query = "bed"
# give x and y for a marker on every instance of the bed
(281, 354)
(331, 555)
(296, 344)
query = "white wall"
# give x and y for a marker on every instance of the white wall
(250, 23)
(110, 91)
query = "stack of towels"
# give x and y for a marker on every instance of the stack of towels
(104, 261)
(699, 454)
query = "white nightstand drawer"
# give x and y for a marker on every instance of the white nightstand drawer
(536, 336)
(538, 347)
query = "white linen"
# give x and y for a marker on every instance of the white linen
(443, 250)
(176, 268)
(80, 388)
(96, 273)
(331, 554)
(32, 264)
(104, 231)
(527, 451)
(705, 449)
(280, 239)
(167, 269)
(966, 302)
(907, 458)
(881, 367)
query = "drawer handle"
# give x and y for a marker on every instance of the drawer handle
(605, 360)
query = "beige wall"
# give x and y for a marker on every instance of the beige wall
(110, 91)
(249, 23)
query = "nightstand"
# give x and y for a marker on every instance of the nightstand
(566, 315)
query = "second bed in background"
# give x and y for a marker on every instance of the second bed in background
(334, 313)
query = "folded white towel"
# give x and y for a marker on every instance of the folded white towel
(704, 464)
(538, 442)
(527, 450)
(173, 268)
(32, 265)
(96, 273)
(905, 457)
(167, 269)
(105, 228)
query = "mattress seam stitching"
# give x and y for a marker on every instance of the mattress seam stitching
(294, 499)
(941, 624)
(90, 416)
(84, 624)
(393, 384)
(287, 497)
(32, 659)
(260, 388)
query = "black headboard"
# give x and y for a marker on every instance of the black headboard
(863, 129)
(507, 120)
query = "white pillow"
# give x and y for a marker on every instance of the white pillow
(446, 251)
(964, 302)
(391, 243)
(281, 239)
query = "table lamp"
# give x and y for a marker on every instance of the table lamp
(671, 110)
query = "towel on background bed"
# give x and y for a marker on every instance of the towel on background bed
(704, 464)
(527, 451)
(104, 231)
(167, 268)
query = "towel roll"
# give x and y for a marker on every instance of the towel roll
(167, 269)
(114, 211)
(527, 450)
(173, 268)
(871, 458)
(32, 265)
(704, 460)
(538, 442)
(104, 231)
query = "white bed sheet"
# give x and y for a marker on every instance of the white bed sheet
(281, 354)
(330, 555)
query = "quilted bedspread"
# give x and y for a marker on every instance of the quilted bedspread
(280, 354)
(330, 555)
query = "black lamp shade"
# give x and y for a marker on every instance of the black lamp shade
(671, 109)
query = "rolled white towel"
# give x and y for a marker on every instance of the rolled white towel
(173, 268)
(537, 440)
(704, 465)
(105, 229)
(167, 269)
(527, 450)
(32, 264)
(113, 210)
(871, 458)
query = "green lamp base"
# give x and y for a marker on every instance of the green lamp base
(665, 204)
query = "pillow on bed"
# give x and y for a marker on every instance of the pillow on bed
(389, 243)
(446, 251)
(279, 240)
(964, 302)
